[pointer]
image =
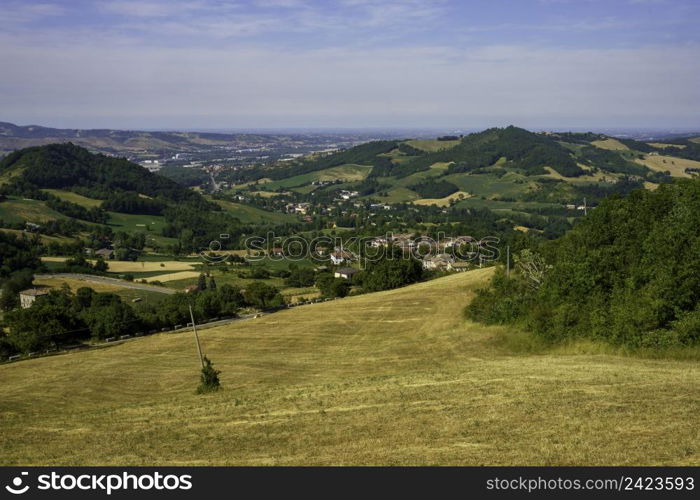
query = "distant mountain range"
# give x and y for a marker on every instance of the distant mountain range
(127, 142)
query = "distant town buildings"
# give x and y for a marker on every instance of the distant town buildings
(340, 256)
(439, 262)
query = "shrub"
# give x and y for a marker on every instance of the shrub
(209, 378)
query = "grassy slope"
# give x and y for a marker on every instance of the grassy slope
(347, 172)
(443, 202)
(251, 214)
(671, 164)
(390, 378)
(431, 145)
(127, 294)
(132, 223)
(75, 198)
(610, 144)
(44, 239)
(20, 209)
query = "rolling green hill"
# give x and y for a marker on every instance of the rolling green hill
(509, 164)
(346, 173)
(391, 378)
(253, 215)
(67, 167)
(94, 193)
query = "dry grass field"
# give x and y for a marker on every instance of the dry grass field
(119, 266)
(20, 210)
(180, 275)
(395, 377)
(611, 144)
(443, 202)
(124, 292)
(75, 284)
(664, 145)
(75, 198)
(432, 145)
(44, 238)
(674, 165)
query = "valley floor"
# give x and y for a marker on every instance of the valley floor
(394, 377)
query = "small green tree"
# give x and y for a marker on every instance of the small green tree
(209, 379)
(212, 283)
(202, 282)
(100, 265)
(262, 295)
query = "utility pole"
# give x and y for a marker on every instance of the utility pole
(196, 337)
(508, 261)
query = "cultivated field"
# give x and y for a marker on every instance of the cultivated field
(443, 202)
(664, 145)
(124, 266)
(431, 144)
(124, 292)
(249, 214)
(180, 275)
(395, 377)
(611, 144)
(21, 209)
(674, 165)
(348, 172)
(75, 198)
(44, 238)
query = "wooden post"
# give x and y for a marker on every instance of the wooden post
(508, 261)
(196, 337)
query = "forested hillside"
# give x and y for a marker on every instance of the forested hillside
(66, 166)
(496, 165)
(63, 189)
(629, 273)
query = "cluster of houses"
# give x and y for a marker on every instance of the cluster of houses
(378, 206)
(346, 195)
(340, 256)
(444, 262)
(298, 208)
(408, 242)
(441, 261)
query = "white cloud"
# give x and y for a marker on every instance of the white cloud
(155, 8)
(24, 12)
(254, 87)
(285, 4)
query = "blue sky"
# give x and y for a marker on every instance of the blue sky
(350, 63)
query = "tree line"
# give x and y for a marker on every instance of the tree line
(628, 273)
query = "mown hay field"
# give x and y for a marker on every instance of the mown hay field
(610, 144)
(396, 377)
(671, 164)
(122, 266)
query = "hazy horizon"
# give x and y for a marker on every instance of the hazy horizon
(351, 64)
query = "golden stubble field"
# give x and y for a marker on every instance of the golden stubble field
(676, 166)
(394, 377)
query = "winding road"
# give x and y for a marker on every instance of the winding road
(90, 278)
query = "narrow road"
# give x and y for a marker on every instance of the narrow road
(109, 281)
